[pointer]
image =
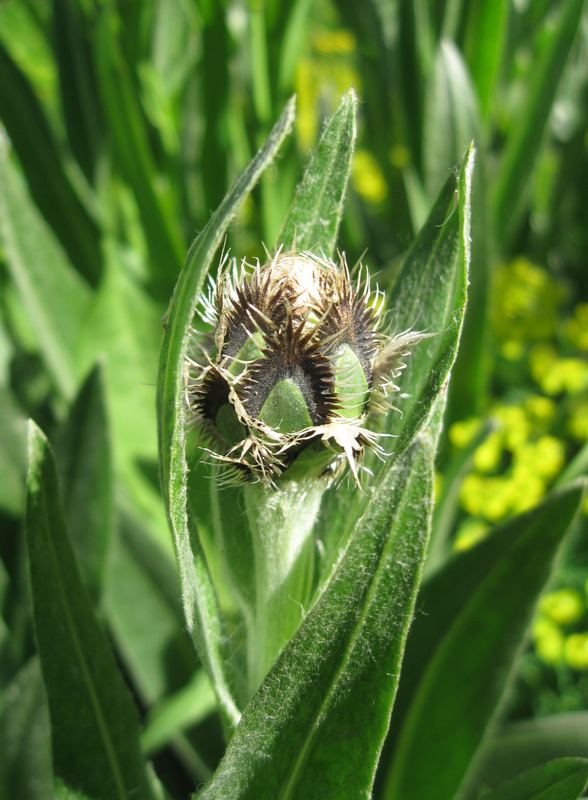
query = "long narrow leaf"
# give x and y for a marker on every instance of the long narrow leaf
(304, 735)
(313, 219)
(34, 142)
(127, 126)
(468, 663)
(526, 137)
(198, 594)
(55, 296)
(95, 730)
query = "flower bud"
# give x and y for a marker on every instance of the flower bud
(296, 364)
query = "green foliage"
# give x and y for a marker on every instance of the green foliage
(415, 636)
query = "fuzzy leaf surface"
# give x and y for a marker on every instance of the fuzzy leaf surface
(430, 295)
(200, 604)
(304, 734)
(314, 217)
(95, 727)
(476, 612)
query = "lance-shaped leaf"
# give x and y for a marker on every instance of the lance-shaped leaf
(314, 217)
(95, 728)
(200, 605)
(304, 735)
(476, 612)
(430, 295)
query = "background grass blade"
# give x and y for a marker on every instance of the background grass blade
(95, 730)
(451, 116)
(564, 779)
(200, 604)
(525, 139)
(133, 152)
(84, 461)
(54, 295)
(466, 674)
(303, 735)
(77, 83)
(317, 208)
(35, 144)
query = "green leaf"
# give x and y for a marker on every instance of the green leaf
(304, 735)
(95, 730)
(41, 162)
(185, 708)
(200, 605)
(85, 471)
(144, 612)
(460, 655)
(12, 454)
(313, 220)
(483, 47)
(521, 745)
(564, 779)
(451, 116)
(430, 295)
(55, 296)
(526, 137)
(127, 126)
(25, 738)
(77, 83)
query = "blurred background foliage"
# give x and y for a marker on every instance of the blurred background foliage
(122, 126)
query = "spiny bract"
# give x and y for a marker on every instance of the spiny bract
(291, 362)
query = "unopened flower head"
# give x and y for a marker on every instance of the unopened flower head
(293, 361)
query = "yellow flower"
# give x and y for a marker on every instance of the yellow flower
(576, 651)
(548, 639)
(564, 606)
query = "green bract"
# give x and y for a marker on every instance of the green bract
(292, 357)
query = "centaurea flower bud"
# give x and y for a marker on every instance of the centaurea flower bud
(293, 358)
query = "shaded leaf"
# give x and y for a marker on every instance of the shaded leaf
(521, 745)
(25, 738)
(564, 779)
(85, 471)
(95, 730)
